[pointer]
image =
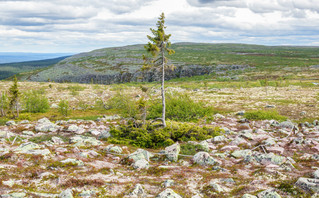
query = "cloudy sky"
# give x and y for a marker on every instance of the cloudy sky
(84, 25)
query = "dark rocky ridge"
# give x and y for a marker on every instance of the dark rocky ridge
(148, 76)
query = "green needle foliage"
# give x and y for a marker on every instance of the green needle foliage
(158, 47)
(14, 98)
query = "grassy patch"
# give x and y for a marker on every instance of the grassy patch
(44, 138)
(264, 115)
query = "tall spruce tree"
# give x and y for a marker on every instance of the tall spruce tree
(14, 98)
(158, 47)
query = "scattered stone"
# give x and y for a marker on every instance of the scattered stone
(140, 154)
(73, 162)
(270, 193)
(172, 152)
(138, 191)
(66, 194)
(248, 196)
(11, 123)
(141, 164)
(25, 147)
(45, 125)
(287, 124)
(14, 195)
(168, 193)
(203, 158)
(168, 183)
(307, 184)
(241, 153)
(57, 140)
(104, 134)
(87, 193)
(216, 187)
(29, 133)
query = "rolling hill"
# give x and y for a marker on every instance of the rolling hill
(122, 64)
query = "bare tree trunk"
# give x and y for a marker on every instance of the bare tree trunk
(163, 89)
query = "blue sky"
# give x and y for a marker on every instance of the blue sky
(84, 25)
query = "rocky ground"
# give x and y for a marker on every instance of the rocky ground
(73, 159)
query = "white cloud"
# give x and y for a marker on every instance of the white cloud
(81, 25)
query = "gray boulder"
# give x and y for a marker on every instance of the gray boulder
(307, 184)
(270, 193)
(66, 194)
(172, 152)
(140, 154)
(104, 134)
(44, 125)
(138, 191)
(204, 159)
(73, 162)
(141, 164)
(316, 174)
(248, 196)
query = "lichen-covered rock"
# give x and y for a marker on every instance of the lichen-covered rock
(204, 159)
(168, 193)
(66, 194)
(25, 147)
(172, 152)
(113, 149)
(87, 193)
(168, 183)
(241, 153)
(14, 195)
(11, 123)
(216, 187)
(287, 124)
(138, 191)
(307, 184)
(82, 141)
(141, 164)
(316, 174)
(248, 196)
(45, 125)
(140, 154)
(270, 193)
(104, 134)
(73, 162)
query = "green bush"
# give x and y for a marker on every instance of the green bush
(179, 107)
(64, 108)
(264, 115)
(124, 103)
(191, 149)
(35, 102)
(147, 136)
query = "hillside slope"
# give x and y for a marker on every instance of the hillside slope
(9, 69)
(122, 64)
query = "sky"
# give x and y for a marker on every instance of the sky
(72, 26)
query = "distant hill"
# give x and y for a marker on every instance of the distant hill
(122, 64)
(9, 69)
(13, 57)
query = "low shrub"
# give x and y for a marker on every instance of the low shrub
(64, 108)
(180, 107)
(124, 103)
(191, 149)
(264, 115)
(36, 102)
(147, 136)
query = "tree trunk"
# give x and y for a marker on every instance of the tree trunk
(163, 89)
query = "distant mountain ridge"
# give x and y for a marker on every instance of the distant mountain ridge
(13, 57)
